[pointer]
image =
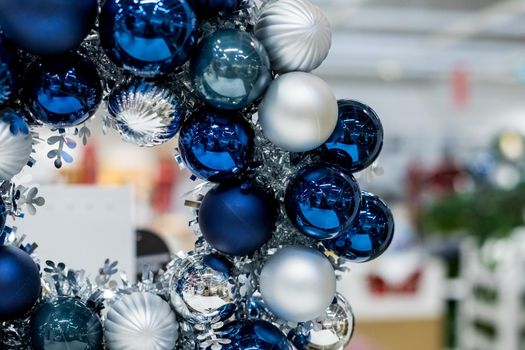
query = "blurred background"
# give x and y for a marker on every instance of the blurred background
(447, 78)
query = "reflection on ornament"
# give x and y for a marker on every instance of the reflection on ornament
(322, 201)
(230, 69)
(369, 236)
(144, 113)
(203, 289)
(62, 91)
(297, 283)
(296, 34)
(148, 37)
(16, 143)
(216, 146)
(141, 321)
(298, 112)
(7, 70)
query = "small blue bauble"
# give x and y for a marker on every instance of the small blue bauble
(369, 236)
(62, 91)
(236, 219)
(230, 69)
(19, 283)
(253, 335)
(7, 70)
(147, 37)
(47, 27)
(215, 146)
(357, 139)
(208, 8)
(145, 113)
(322, 201)
(65, 323)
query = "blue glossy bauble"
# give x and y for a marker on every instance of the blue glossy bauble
(322, 201)
(236, 219)
(62, 91)
(357, 139)
(253, 335)
(3, 216)
(208, 8)
(230, 69)
(216, 146)
(7, 70)
(47, 27)
(65, 323)
(369, 236)
(19, 283)
(148, 37)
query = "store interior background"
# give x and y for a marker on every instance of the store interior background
(447, 78)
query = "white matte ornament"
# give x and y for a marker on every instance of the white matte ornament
(141, 321)
(297, 283)
(295, 33)
(15, 151)
(299, 112)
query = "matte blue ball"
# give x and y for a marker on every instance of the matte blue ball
(230, 69)
(62, 91)
(65, 323)
(208, 8)
(369, 236)
(147, 37)
(47, 27)
(19, 283)
(236, 220)
(357, 139)
(8, 74)
(322, 201)
(253, 335)
(216, 146)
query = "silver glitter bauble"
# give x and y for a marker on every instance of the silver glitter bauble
(297, 283)
(299, 112)
(16, 144)
(203, 289)
(295, 33)
(331, 331)
(144, 113)
(141, 321)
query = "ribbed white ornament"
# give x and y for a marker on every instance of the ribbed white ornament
(141, 321)
(295, 33)
(15, 151)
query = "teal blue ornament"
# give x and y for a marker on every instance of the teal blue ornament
(148, 37)
(65, 323)
(230, 69)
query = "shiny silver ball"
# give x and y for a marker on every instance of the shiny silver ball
(295, 33)
(203, 289)
(299, 112)
(297, 283)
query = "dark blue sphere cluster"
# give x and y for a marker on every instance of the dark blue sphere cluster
(322, 201)
(19, 283)
(216, 146)
(208, 8)
(236, 219)
(253, 335)
(369, 236)
(148, 37)
(357, 139)
(7, 70)
(62, 91)
(66, 323)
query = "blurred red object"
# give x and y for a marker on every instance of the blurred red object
(88, 166)
(379, 287)
(163, 185)
(460, 86)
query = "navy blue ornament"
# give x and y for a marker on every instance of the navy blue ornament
(65, 323)
(19, 283)
(216, 146)
(357, 139)
(369, 236)
(47, 27)
(147, 37)
(62, 91)
(237, 219)
(208, 8)
(322, 201)
(253, 335)
(3, 217)
(7, 70)
(230, 69)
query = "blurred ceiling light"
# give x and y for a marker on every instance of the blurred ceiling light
(511, 145)
(389, 70)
